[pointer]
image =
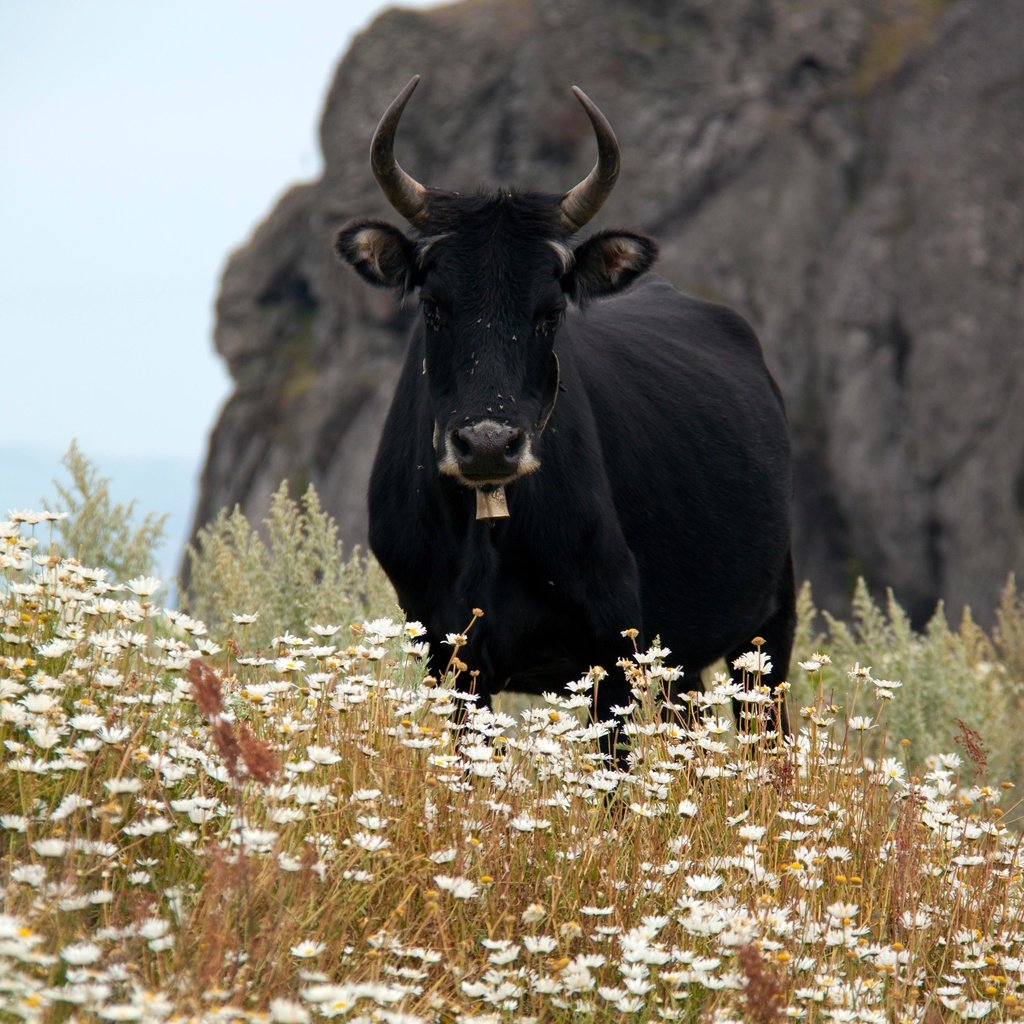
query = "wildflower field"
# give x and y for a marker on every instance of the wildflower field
(260, 818)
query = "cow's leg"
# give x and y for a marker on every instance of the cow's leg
(778, 633)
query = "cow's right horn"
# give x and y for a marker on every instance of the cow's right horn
(401, 190)
(583, 201)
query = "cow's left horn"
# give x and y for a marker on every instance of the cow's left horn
(401, 190)
(583, 201)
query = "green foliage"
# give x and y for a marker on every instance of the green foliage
(947, 675)
(805, 638)
(1008, 636)
(295, 577)
(98, 531)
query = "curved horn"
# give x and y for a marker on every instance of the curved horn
(401, 190)
(584, 200)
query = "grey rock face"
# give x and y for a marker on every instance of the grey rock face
(849, 176)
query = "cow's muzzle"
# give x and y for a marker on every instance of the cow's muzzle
(489, 452)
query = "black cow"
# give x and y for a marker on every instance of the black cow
(573, 456)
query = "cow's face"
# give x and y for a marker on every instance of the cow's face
(493, 275)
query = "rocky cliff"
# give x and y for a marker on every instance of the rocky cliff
(850, 176)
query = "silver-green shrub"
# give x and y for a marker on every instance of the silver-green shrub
(947, 675)
(99, 531)
(292, 575)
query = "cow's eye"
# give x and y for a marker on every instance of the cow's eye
(547, 323)
(432, 315)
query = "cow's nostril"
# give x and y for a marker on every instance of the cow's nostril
(515, 445)
(462, 443)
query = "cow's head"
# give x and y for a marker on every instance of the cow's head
(494, 272)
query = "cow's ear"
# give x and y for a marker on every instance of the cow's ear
(379, 252)
(607, 262)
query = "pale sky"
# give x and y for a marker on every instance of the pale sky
(140, 142)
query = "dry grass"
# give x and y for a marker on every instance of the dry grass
(194, 830)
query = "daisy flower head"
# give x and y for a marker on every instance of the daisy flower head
(460, 888)
(325, 630)
(284, 1011)
(307, 949)
(892, 770)
(78, 954)
(754, 663)
(704, 883)
(143, 586)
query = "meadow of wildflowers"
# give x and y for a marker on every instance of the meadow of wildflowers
(197, 826)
